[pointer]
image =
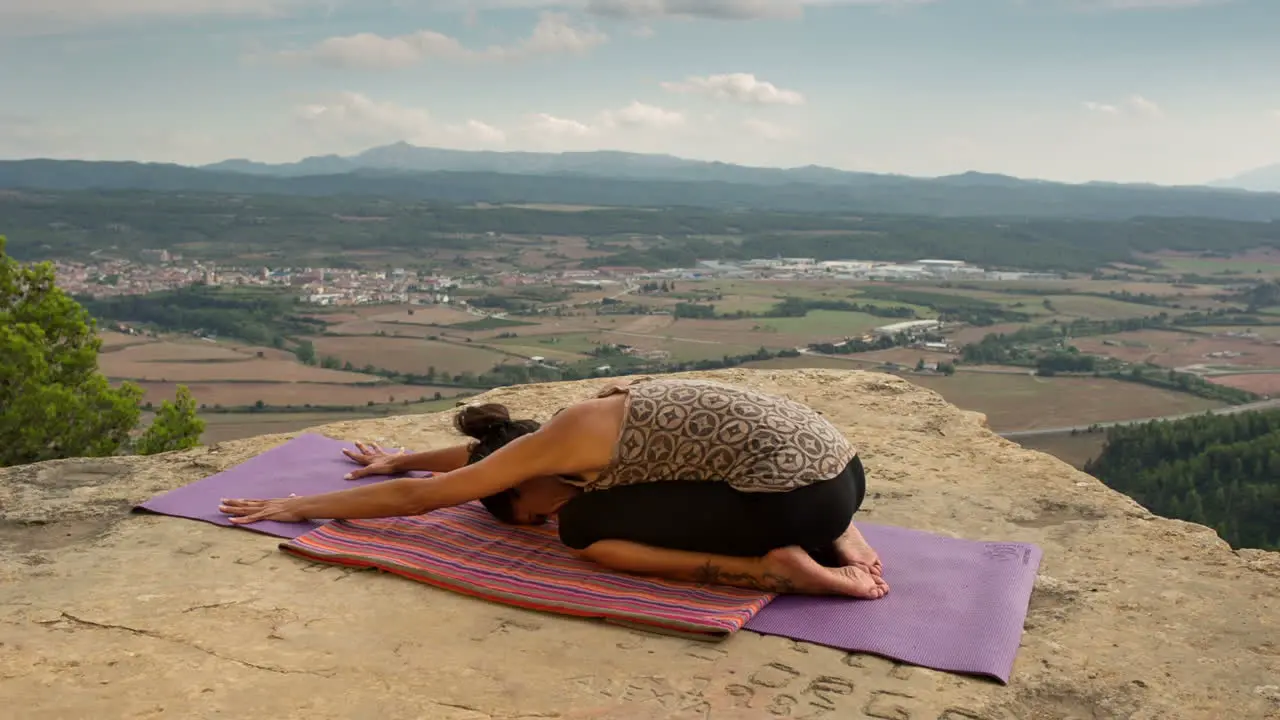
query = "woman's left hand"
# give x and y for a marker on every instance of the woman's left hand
(243, 512)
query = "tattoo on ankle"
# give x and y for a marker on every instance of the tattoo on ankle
(712, 574)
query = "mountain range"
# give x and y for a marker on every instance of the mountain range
(404, 157)
(608, 178)
(1263, 179)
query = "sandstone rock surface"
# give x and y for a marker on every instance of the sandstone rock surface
(105, 614)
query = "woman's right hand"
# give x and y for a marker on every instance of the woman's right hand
(375, 460)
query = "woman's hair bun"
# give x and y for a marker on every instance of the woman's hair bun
(480, 421)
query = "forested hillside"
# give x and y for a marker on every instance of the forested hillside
(972, 195)
(226, 227)
(1222, 471)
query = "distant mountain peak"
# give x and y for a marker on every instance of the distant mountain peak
(1263, 179)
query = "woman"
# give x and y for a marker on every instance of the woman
(682, 479)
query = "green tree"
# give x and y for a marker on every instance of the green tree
(175, 427)
(53, 401)
(306, 352)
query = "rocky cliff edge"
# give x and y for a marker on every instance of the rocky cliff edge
(107, 614)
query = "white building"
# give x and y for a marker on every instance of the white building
(841, 266)
(941, 264)
(896, 272)
(908, 326)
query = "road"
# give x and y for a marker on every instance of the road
(1228, 410)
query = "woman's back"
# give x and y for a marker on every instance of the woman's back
(678, 429)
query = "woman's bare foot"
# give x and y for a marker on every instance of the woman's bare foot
(852, 549)
(807, 577)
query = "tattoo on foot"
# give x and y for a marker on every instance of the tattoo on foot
(711, 574)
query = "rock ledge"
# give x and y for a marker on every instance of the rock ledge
(112, 615)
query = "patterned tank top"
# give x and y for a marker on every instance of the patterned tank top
(678, 429)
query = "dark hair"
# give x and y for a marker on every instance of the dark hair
(491, 425)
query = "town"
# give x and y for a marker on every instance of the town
(159, 270)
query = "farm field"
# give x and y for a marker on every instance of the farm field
(843, 362)
(682, 349)
(242, 394)
(579, 345)
(408, 355)
(905, 356)
(422, 315)
(573, 344)
(1075, 450)
(190, 362)
(1176, 350)
(641, 324)
(1071, 307)
(1071, 286)
(777, 333)
(824, 324)
(1253, 265)
(1023, 402)
(112, 340)
(1030, 304)
(732, 303)
(1267, 384)
(1267, 333)
(151, 350)
(1019, 401)
(1070, 302)
(183, 349)
(758, 295)
(221, 427)
(530, 348)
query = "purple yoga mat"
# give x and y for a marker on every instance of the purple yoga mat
(953, 605)
(307, 465)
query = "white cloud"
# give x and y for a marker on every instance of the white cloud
(1101, 108)
(737, 87)
(554, 34)
(550, 126)
(369, 51)
(615, 127)
(1145, 108)
(1134, 106)
(486, 133)
(766, 130)
(639, 115)
(355, 120)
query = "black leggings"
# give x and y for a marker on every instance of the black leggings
(712, 517)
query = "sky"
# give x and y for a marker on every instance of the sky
(1161, 91)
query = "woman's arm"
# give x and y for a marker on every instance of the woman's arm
(569, 444)
(442, 460)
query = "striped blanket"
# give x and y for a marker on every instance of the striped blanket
(465, 550)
